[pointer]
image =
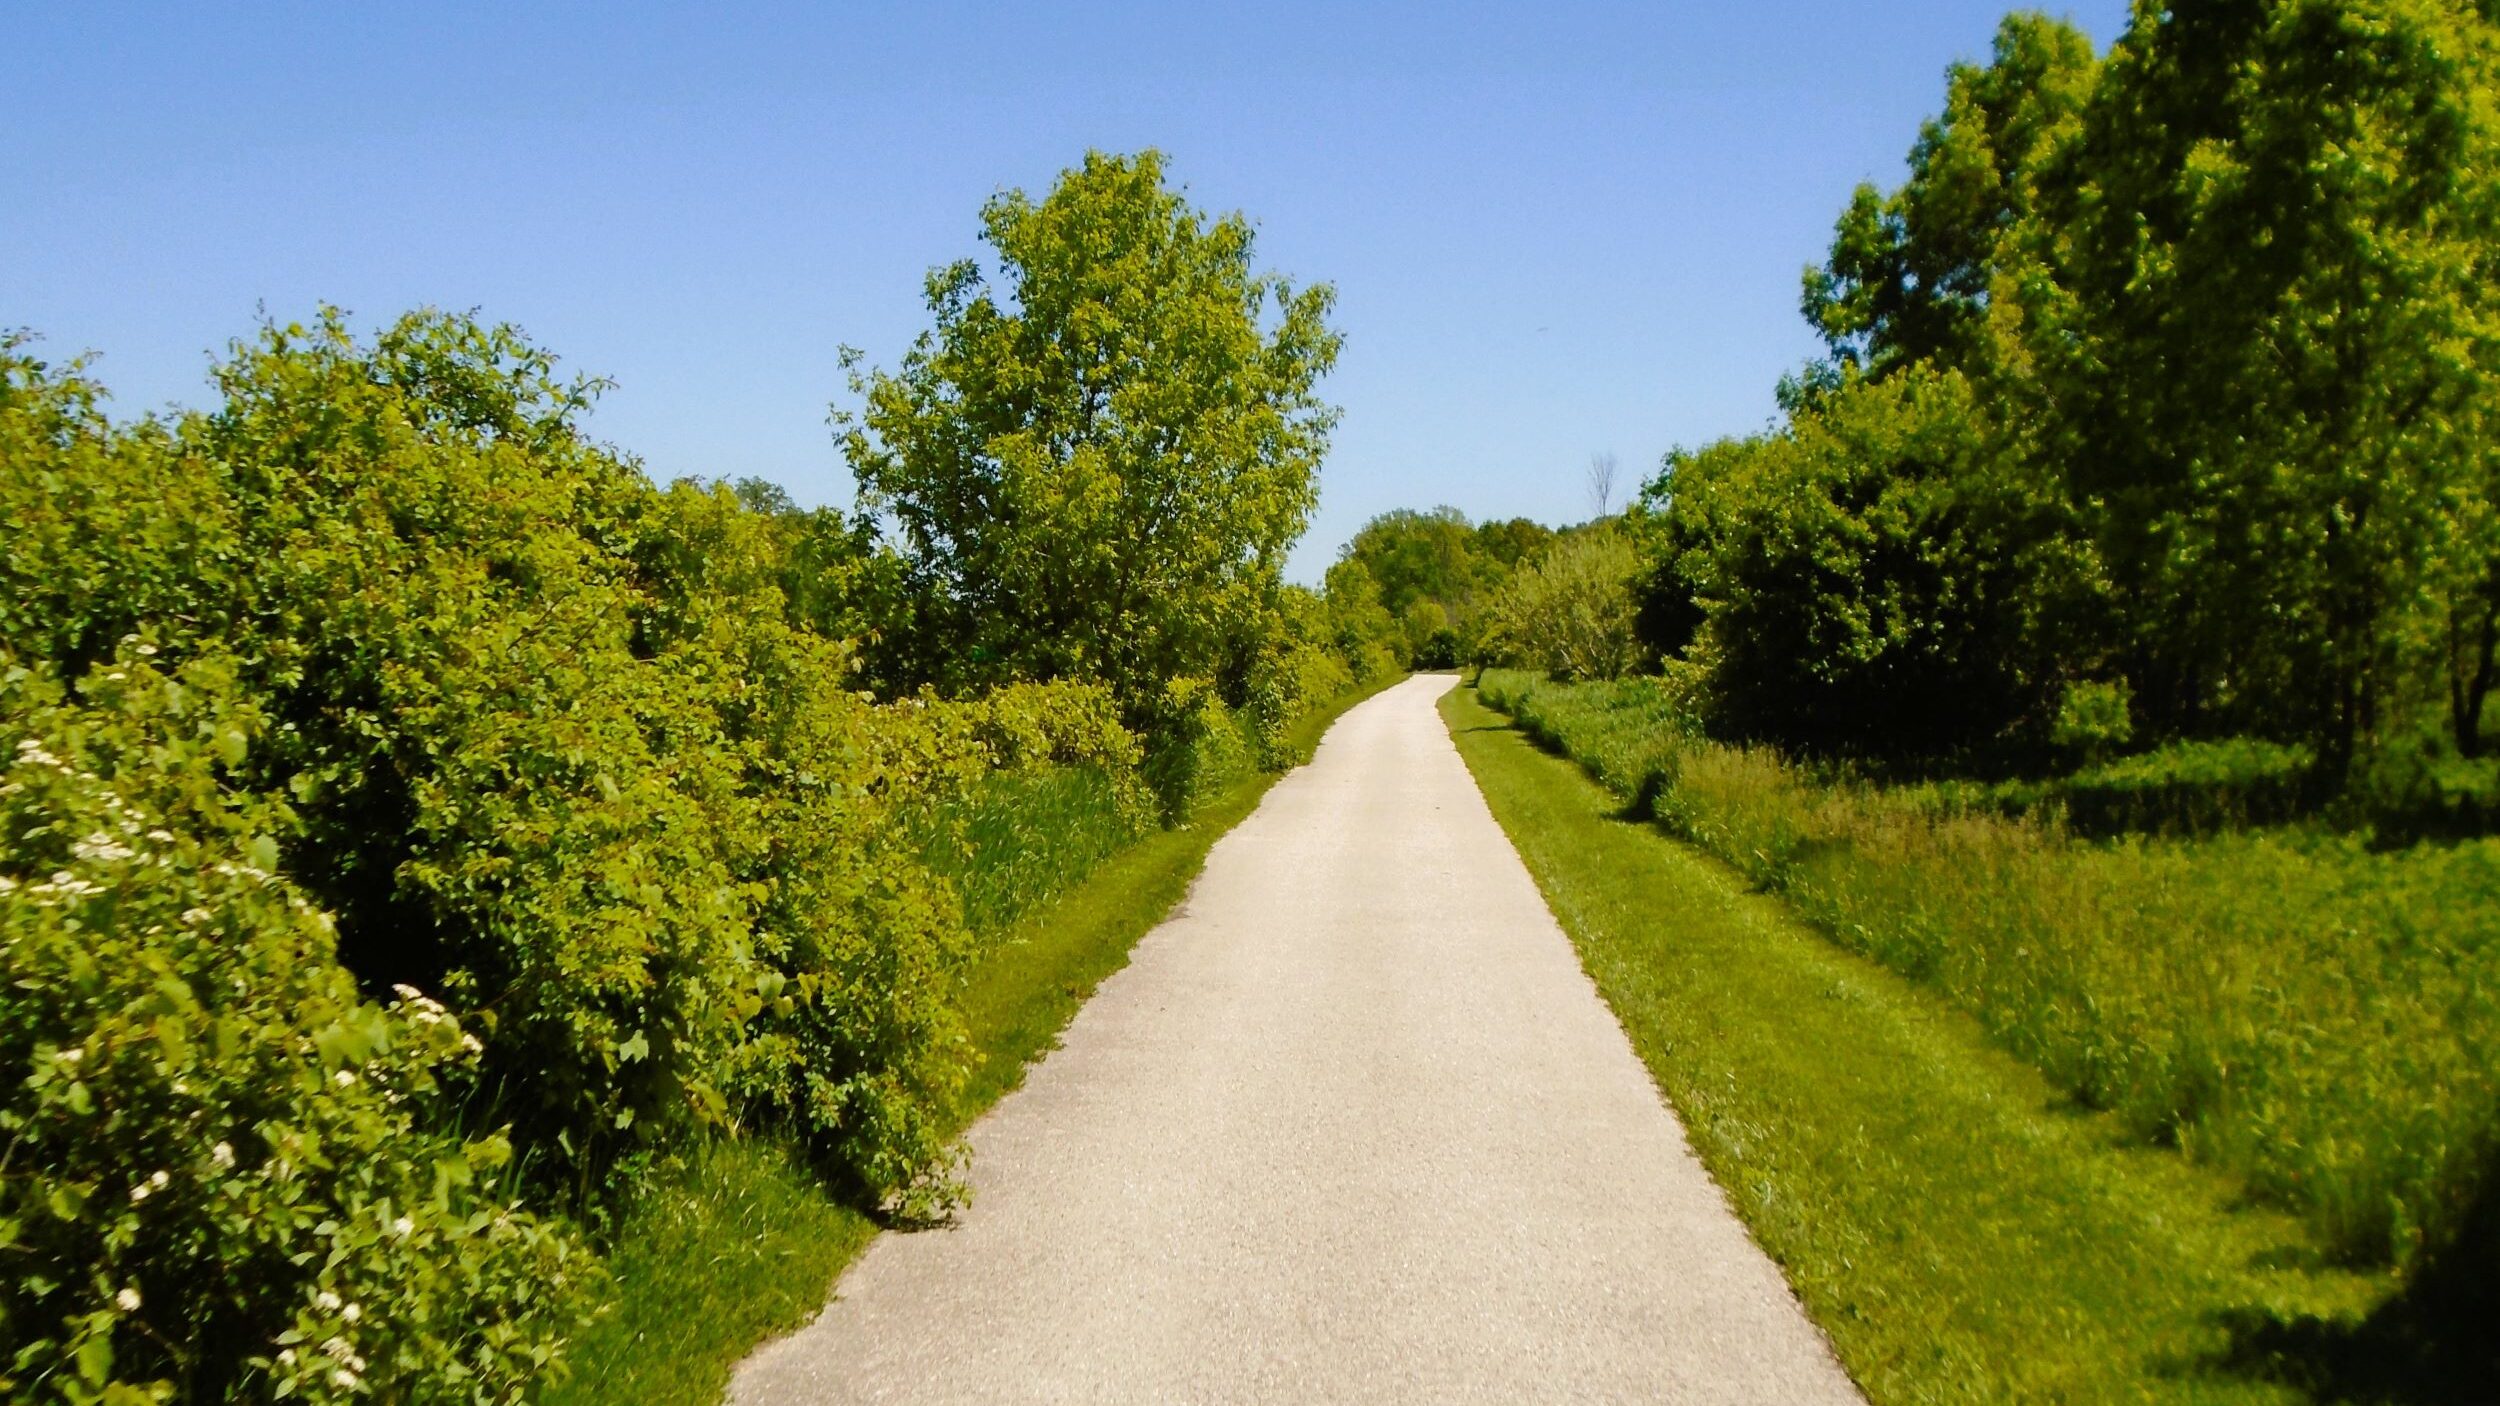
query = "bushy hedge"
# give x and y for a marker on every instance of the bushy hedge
(229, 1174)
(418, 816)
(552, 749)
(538, 735)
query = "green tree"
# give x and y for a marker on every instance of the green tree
(1434, 573)
(1096, 469)
(1418, 556)
(1570, 610)
(1910, 273)
(1869, 576)
(2279, 347)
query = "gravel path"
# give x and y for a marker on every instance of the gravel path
(1352, 1126)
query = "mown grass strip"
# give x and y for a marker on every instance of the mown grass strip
(1962, 1232)
(738, 1242)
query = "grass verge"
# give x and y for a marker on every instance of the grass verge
(2299, 1008)
(737, 1242)
(1962, 1230)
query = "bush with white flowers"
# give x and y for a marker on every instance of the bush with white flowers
(221, 1180)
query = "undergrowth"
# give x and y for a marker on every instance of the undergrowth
(2316, 1016)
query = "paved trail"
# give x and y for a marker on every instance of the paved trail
(1353, 1126)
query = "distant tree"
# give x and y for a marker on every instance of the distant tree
(1570, 611)
(1095, 471)
(762, 495)
(1601, 480)
(1414, 556)
(1503, 545)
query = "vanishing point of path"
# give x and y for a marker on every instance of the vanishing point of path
(1351, 1126)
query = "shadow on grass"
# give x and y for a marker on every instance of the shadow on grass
(2436, 1343)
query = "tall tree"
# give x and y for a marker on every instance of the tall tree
(1096, 469)
(1911, 271)
(2283, 350)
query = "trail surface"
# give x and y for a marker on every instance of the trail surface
(1352, 1126)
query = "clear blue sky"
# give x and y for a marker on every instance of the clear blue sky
(1554, 229)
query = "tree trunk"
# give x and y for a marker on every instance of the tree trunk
(2471, 658)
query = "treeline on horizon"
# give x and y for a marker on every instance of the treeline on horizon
(416, 822)
(2157, 409)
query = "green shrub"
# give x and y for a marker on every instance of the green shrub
(2189, 788)
(226, 1179)
(2094, 717)
(552, 748)
(1571, 611)
(1059, 786)
(1197, 749)
(1875, 578)
(1285, 687)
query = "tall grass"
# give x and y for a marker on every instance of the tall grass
(2314, 1016)
(1017, 839)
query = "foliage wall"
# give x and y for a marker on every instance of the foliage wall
(2166, 376)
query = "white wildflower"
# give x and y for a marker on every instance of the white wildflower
(222, 1154)
(196, 916)
(343, 1379)
(351, 1312)
(159, 1180)
(145, 651)
(128, 1300)
(344, 1079)
(162, 837)
(102, 848)
(328, 1301)
(338, 1350)
(403, 1227)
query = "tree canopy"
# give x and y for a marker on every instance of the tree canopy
(1095, 465)
(2221, 306)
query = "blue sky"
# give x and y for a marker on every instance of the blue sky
(1554, 230)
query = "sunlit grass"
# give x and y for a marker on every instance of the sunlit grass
(2293, 1006)
(1958, 1226)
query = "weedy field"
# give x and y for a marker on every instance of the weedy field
(2292, 1005)
(2316, 1018)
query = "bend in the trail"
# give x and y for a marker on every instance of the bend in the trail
(1352, 1126)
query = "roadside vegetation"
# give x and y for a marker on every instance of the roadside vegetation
(2318, 1018)
(734, 1241)
(2101, 638)
(1961, 1229)
(439, 865)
